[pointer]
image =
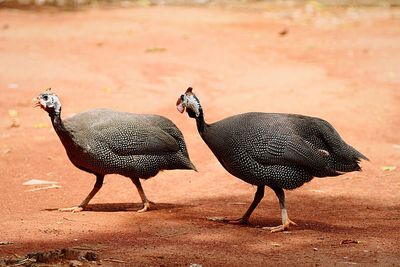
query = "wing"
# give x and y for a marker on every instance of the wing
(128, 140)
(285, 149)
(125, 133)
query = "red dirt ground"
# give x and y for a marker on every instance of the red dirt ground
(343, 66)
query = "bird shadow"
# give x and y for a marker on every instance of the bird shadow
(127, 207)
(331, 218)
(301, 225)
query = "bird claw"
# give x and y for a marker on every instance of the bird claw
(72, 209)
(146, 207)
(274, 229)
(281, 227)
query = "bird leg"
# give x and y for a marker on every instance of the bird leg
(96, 188)
(285, 219)
(146, 202)
(245, 218)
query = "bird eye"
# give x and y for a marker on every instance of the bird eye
(182, 97)
(45, 97)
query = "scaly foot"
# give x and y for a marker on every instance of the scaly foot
(281, 227)
(146, 206)
(72, 209)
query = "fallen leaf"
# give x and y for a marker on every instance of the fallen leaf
(12, 113)
(90, 247)
(46, 187)
(12, 86)
(75, 263)
(237, 203)
(14, 123)
(114, 260)
(318, 191)
(349, 241)
(283, 32)
(155, 49)
(14, 118)
(144, 2)
(311, 46)
(38, 182)
(388, 168)
(106, 89)
(40, 125)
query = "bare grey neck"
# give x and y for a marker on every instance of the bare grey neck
(58, 125)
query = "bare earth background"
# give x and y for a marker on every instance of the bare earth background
(341, 65)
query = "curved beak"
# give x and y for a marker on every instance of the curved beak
(179, 105)
(37, 103)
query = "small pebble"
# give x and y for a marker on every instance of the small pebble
(75, 263)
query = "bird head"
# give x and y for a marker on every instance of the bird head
(190, 102)
(49, 102)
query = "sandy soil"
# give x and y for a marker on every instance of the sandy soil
(343, 66)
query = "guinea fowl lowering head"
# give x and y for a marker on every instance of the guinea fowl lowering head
(49, 102)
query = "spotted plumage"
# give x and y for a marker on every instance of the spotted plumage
(103, 141)
(281, 151)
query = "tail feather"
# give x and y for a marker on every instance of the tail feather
(361, 156)
(349, 164)
(343, 157)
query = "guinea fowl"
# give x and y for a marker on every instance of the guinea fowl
(282, 151)
(103, 141)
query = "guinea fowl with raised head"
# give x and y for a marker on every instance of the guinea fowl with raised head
(103, 141)
(281, 151)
